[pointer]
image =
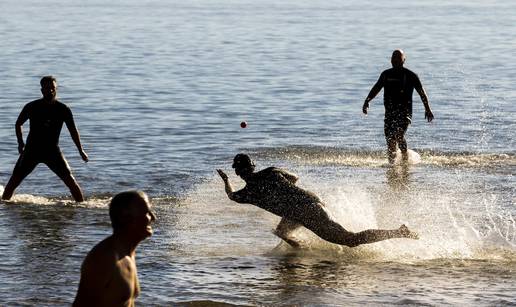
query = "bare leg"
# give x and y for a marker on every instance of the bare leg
(391, 150)
(12, 184)
(60, 167)
(376, 235)
(326, 228)
(285, 229)
(21, 170)
(338, 235)
(74, 188)
(402, 143)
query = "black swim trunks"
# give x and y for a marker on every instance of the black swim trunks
(395, 126)
(54, 159)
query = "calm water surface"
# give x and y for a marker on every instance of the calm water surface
(158, 89)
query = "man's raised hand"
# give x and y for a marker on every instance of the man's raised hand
(222, 175)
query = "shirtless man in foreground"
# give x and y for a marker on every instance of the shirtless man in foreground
(108, 274)
(274, 190)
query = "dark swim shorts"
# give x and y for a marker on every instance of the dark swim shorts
(54, 159)
(394, 126)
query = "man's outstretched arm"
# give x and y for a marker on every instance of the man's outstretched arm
(227, 185)
(74, 133)
(234, 196)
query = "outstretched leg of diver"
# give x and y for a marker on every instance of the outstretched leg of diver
(284, 231)
(376, 235)
(326, 228)
(338, 235)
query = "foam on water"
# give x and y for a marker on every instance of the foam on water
(314, 155)
(28, 199)
(413, 157)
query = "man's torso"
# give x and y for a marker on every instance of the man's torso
(46, 121)
(124, 283)
(116, 281)
(270, 190)
(399, 84)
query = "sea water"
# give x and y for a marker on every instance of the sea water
(158, 89)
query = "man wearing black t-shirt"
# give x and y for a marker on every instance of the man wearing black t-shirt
(398, 84)
(46, 116)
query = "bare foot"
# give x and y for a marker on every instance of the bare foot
(289, 240)
(406, 233)
(293, 243)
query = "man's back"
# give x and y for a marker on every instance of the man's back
(270, 189)
(398, 86)
(107, 277)
(46, 122)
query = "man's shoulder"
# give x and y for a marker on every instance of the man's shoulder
(35, 101)
(98, 267)
(262, 176)
(410, 72)
(32, 103)
(268, 170)
(62, 109)
(102, 253)
(388, 70)
(41, 102)
(62, 105)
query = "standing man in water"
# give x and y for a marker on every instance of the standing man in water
(46, 116)
(108, 274)
(275, 190)
(398, 84)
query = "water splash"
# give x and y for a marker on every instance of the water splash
(452, 224)
(100, 201)
(447, 229)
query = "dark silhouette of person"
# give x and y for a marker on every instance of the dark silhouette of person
(46, 116)
(398, 84)
(274, 189)
(108, 273)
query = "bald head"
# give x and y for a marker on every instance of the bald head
(123, 206)
(398, 58)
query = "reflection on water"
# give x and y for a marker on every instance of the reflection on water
(43, 251)
(398, 176)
